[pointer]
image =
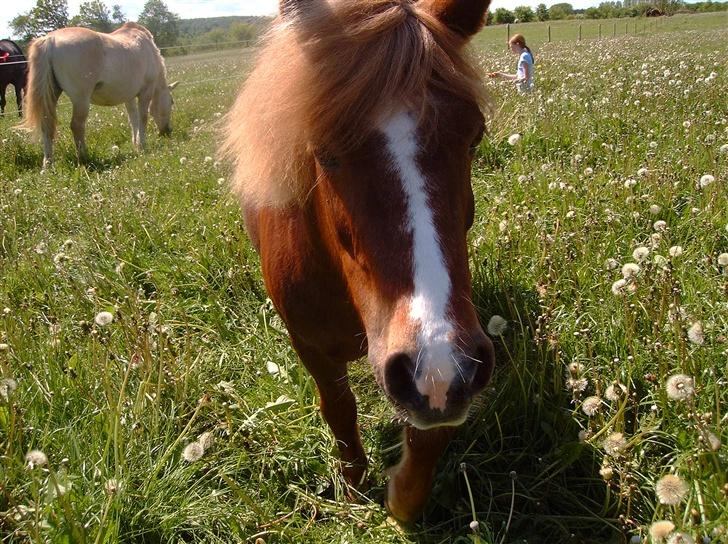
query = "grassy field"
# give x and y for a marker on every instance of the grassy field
(567, 445)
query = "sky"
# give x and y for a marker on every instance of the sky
(188, 9)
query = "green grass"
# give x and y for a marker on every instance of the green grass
(157, 241)
(496, 36)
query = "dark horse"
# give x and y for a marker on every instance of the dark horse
(13, 70)
(352, 141)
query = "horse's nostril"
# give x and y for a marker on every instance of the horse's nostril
(399, 372)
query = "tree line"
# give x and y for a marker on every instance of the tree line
(167, 27)
(605, 10)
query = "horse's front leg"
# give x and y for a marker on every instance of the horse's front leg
(411, 479)
(144, 102)
(78, 127)
(132, 110)
(338, 406)
(2, 99)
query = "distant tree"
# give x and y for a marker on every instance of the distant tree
(161, 22)
(45, 17)
(503, 16)
(94, 15)
(561, 11)
(22, 25)
(117, 15)
(524, 14)
(242, 32)
(488, 18)
(542, 12)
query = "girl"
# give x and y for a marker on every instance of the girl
(524, 73)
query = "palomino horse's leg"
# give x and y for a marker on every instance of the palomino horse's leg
(411, 480)
(78, 127)
(133, 112)
(144, 101)
(338, 406)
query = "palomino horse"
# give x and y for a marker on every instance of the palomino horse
(124, 67)
(13, 71)
(352, 141)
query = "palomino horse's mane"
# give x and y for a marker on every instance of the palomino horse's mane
(321, 79)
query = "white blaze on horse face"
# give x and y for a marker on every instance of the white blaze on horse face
(435, 364)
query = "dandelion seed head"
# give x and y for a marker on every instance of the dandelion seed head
(695, 333)
(577, 385)
(640, 253)
(614, 444)
(497, 325)
(723, 259)
(112, 486)
(606, 472)
(591, 405)
(660, 226)
(661, 529)
(655, 209)
(680, 387)
(193, 452)
(35, 459)
(670, 489)
(103, 318)
(474, 526)
(675, 251)
(7, 387)
(630, 270)
(706, 180)
(513, 139)
(611, 264)
(642, 172)
(615, 392)
(588, 171)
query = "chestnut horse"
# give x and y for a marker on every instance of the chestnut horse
(352, 141)
(123, 67)
(13, 71)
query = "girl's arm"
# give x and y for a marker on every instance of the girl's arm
(502, 75)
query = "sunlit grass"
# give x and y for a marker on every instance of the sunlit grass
(616, 139)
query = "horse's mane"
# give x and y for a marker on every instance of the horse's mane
(321, 79)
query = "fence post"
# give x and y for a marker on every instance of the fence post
(508, 31)
(579, 31)
(549, 33)
(614, 30)
(600, 31)
(626, 28)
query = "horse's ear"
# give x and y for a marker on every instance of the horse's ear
(173, 85)
(464, 17)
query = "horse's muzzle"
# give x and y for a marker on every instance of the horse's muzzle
(472, 373)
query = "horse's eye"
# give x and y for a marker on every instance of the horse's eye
(327, 160)
(476, 143)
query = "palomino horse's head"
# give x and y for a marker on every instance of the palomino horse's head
(367, 112)
(161, 106)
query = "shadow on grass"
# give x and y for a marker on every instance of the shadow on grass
(531, 479)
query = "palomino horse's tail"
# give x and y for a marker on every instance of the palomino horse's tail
(42, 92)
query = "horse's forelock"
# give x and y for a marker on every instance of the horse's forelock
(322, 78)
